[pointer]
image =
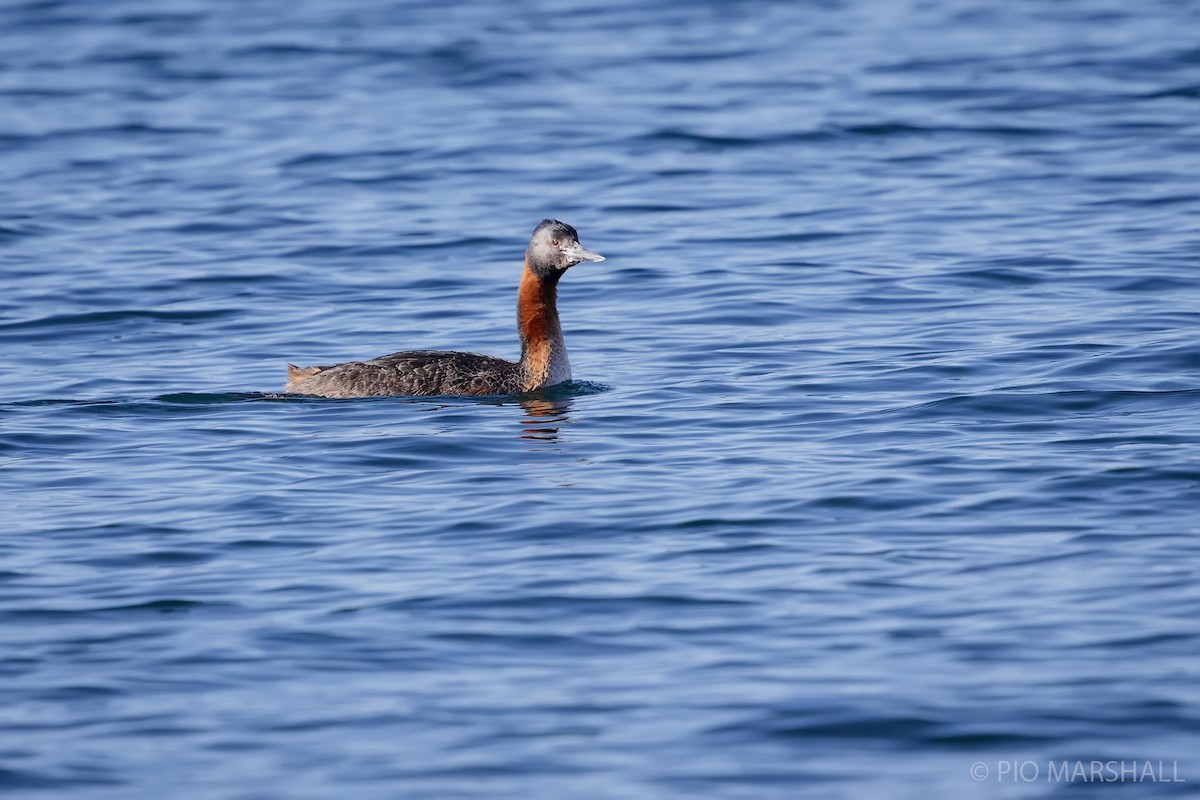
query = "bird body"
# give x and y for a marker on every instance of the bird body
(553, 249)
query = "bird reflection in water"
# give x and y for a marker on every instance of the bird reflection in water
(544, 417)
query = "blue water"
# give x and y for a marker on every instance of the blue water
(883, 459)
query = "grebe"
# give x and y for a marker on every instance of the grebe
(553, 249)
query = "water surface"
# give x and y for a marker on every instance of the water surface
(883, 458)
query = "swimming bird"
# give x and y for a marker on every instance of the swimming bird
(553, 249)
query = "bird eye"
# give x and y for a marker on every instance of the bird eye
(554, 242)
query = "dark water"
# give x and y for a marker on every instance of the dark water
(884, 461)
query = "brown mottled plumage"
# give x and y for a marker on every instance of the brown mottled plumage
(553, 249)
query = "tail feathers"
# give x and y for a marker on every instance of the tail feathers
(297, 374)
(300, 373)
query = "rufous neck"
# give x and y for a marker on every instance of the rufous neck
(543, 351)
